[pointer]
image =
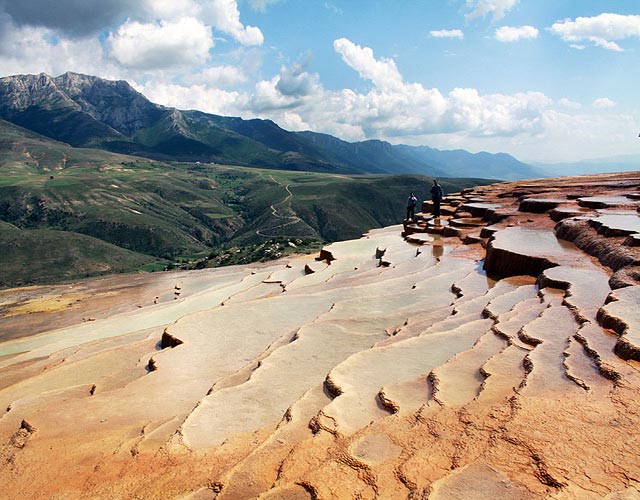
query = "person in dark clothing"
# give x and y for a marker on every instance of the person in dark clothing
(436, 197)
(411, 206)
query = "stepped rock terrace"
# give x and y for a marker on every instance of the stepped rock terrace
(493, 352)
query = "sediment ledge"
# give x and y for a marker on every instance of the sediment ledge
(622, 315)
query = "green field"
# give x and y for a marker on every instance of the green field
(114, 213)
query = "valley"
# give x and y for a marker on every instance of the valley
(95, 212)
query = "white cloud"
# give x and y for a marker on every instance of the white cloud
(161, 45)
(261, 5)
(218, 76)
(393, 108)
(293, 121)
(497, 8)
(604, 103)
(198, 97)
(515, 33)
(601, 29)
(35, 50)
(171, 9)
(577, 46)
(383, 73)
(447, 34)
(295, 82)
(567, 103)
(224, 15)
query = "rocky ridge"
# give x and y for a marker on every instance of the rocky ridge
(477, 355)
(88, 111)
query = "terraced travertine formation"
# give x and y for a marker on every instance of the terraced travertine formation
(493, 352)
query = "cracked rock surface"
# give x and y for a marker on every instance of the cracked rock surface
(488, 353)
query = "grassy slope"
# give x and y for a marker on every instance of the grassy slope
(172, 211)
(29, 256)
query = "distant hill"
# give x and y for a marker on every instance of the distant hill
(70, 212)
(87, 111)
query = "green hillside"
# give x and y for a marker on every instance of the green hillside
(31, 256)
(70, 212)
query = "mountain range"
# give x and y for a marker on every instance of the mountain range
(90, 112)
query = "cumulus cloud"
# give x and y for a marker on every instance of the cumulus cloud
(567, 103)
(496, 8)
(515, 33)
(224, 15)
(71, 17)
(224, 76)
(83, 17)
(161, 45)
(603, 103)
(169, 9)
(393, 108)
(198, 97)
(295, 82)
(29, 49)
(383, 73)
(447, 34)
(602, 30)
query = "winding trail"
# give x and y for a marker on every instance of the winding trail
(293, 219)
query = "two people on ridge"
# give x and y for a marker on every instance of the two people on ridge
(436, 198)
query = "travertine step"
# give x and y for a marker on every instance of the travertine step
(503, 374)
(584, 371)
(510, 323)
(306, 360)
(348, 255)
(473, 285)
(547, 374)
(277, 383)
(622, 314)
(362, 375)
(267, 288)
(467, 222)
(507, 301)
(14, 374)
(600, 343)
(501, 288)
(36, 407)
(420, 238)
(242, 481)
(540, 205)
(587, 288)
(460, 379)
(521, 250)
(417, 324)
(148, 317)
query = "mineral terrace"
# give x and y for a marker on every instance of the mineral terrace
(493, 353)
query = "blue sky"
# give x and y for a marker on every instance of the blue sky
(544, 80)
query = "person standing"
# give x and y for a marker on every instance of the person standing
(436, 197)
(411, 206)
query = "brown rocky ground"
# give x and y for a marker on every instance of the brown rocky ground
(490, 353)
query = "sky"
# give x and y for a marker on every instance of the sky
(543, 80)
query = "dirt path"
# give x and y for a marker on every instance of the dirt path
(293, 219)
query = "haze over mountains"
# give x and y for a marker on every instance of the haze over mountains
(87, 111)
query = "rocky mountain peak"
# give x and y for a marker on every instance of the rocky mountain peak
(20, 92)
(115, 103)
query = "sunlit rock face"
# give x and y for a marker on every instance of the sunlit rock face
(488, 353)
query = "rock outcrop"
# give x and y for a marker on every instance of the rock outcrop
(477, 356)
